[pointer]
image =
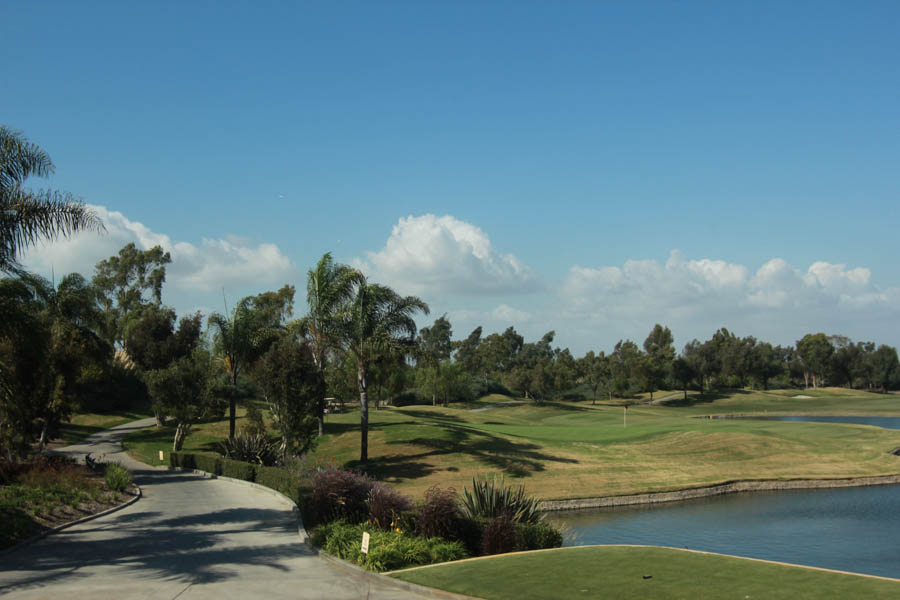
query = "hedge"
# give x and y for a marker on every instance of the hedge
(292, 485)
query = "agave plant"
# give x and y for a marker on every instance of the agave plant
(491, 498)
(250, 448)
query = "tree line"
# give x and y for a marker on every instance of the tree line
(94, 345)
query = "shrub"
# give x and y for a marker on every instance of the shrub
(388, 550)
(251, 448)
(499, 536)
(117, 477)
(291, 484)
(237, 469)
(385, 504)
(439, 514)
(537, 536)
(490, 499)
(339, 494)
(410, 398)
(480, 388)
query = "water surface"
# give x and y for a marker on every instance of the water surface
(849, 529)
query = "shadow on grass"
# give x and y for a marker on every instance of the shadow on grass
(514, 458)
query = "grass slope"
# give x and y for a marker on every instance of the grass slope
(619, 572)
(576, 449)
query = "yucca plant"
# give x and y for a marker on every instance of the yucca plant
(250, 448)
(491, 498)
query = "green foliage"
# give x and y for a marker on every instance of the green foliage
(238, 470)
(183, 391)
(388, 550)
(491, 498)
(376, 323)
(292, 387)
(128, 282)
(242, 339)
(27, 216)
(202, 462)
(295, 486)
(117, 477)
(250, 448)
(537, 536)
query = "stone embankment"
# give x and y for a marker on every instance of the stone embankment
(729, 487)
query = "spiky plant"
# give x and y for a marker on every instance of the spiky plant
(250, 448)
(491, 498)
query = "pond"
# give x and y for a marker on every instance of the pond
(849, 529)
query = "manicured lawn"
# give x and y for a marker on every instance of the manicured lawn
(626, 572)
(84, 424)
(577, 450)
(145, 445)
(574, 449)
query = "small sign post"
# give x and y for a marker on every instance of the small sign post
(365, 543)
(161, 456)
(625, 417)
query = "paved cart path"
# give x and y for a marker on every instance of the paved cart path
(188, 537)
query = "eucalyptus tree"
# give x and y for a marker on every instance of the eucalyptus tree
(128, 282)
(434, 348)
(27, 216)
(329, 289)
(658, 360)
(595, 369)
(377, 321)
(815, 352)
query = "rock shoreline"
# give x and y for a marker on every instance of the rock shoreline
(729, 487)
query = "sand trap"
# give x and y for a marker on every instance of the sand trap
(802, 397)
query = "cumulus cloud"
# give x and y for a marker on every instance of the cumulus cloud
(209, 266)
(442, 255)
(699, 295)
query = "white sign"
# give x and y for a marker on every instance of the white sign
(161, 456)
(365, 543)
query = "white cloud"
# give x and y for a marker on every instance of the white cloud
(214, 264)
(508, 314)
(430, 255)
(699, 295)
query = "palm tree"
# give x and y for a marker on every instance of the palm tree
(329, 288)
(240, 340)
(27, 216)
(377, 321)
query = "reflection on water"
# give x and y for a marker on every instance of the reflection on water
(851, 529)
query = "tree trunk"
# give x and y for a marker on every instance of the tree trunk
(181, 432)
(363, 384)
(320, 401)
(43, 441)
(232, 406)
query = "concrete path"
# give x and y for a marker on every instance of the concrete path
(188, 537)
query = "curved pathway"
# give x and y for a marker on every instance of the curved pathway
(188, 537)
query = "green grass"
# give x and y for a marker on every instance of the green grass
(146, 444)
(575, 449)
(83, 425)
(619, 572)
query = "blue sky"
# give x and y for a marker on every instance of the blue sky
(510, 162)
